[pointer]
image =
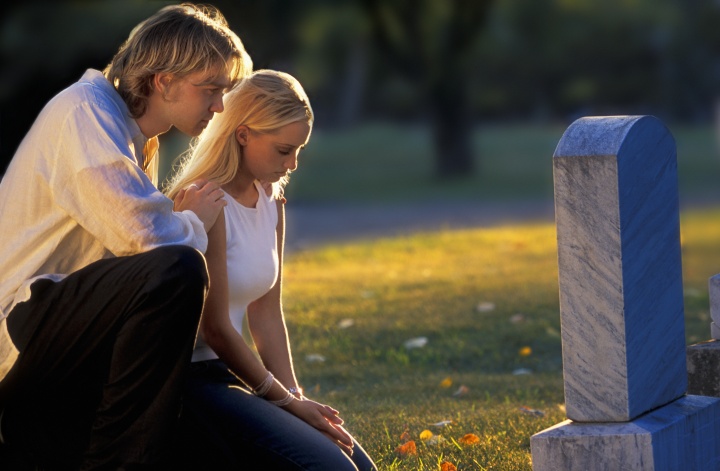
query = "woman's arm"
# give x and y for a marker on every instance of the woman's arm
(267, 324)
(215, 325)
(230, 346)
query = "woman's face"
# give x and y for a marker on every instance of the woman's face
(270, 156)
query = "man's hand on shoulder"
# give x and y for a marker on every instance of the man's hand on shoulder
(203, 198)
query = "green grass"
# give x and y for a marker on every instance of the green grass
(431, 285)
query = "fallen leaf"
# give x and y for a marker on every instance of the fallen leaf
(469, 439)
(345, 323)
(552, 332)
(461, 391)
(405, 436)
(314, 358)
(517, 318)
(447, 466)
(446, 383)
(435, 440)
(442, 423)
(536, 412)
(525, 352)
(561, 407)
(522, 371)
(407, 448)
(417, 342)
(485, 307)
(425, 435)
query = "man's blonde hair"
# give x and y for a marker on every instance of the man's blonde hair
(265, 101)
(180, 40)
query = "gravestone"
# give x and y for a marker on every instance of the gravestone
(621, 307)
(703, 359)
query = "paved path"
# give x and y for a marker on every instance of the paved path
(315, 224)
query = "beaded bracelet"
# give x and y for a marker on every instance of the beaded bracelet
(265, 386)
(285, 401)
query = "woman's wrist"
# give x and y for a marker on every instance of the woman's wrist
(284, 401)
(263, 388)
(296, 391)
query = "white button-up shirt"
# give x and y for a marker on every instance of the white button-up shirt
(74, 194)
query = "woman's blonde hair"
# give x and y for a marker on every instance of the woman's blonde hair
(178, 39)
(265, 101)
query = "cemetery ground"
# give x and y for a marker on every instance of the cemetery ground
(443, 346)
(449, 339)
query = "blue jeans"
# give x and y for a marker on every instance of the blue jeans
(224, 426)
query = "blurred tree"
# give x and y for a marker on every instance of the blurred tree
(333, 60)
(432, 42)
(47, 45)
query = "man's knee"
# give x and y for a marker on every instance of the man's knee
(181, 264)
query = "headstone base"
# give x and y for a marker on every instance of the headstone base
(703, 365)
(714, 331)
(683, 435)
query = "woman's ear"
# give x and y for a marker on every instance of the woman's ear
(241, 134)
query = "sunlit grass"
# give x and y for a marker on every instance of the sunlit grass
(479, 297)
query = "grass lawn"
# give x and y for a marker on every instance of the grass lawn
(480, 309)
(482, 371)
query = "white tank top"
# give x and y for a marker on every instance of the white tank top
(252, 258)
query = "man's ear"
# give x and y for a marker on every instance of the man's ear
(241, 134)
(161, 82)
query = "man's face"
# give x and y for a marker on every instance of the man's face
(193, 100)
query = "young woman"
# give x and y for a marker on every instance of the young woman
(249, 408)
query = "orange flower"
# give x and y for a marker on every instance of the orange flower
(469, 439)
(447, 466)
(407, 448)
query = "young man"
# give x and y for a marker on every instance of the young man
(102, 281)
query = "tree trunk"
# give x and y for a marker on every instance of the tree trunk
(452, 131)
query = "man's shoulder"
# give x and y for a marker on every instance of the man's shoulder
(90, 103)
(92, 89)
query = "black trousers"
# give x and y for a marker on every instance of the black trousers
(103, 355)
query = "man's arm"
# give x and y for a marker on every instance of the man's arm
(97, 182)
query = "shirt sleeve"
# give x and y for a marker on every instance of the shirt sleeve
(97, 182)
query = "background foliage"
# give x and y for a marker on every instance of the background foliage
(450, 65)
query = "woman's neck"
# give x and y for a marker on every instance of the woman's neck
(243, 191)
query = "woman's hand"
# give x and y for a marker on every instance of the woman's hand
(324, 418)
